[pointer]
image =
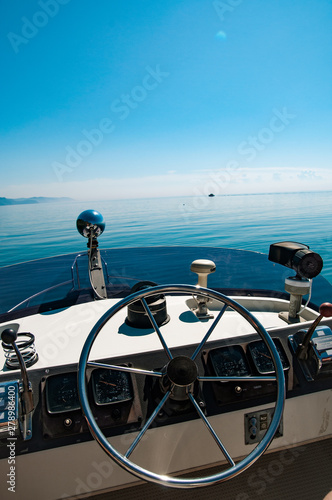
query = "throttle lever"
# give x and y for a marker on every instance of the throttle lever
(325, 311)
(9, 336)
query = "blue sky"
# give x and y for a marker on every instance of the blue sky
(114, 99)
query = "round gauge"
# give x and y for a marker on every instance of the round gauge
(261, 356)
(111, 386)
(229, 361)
(61, 393)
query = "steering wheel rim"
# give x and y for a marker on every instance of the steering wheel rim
(122, 459)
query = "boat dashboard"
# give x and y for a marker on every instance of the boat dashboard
(121, 401)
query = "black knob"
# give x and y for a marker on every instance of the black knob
(8, 336)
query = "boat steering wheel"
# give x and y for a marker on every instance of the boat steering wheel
(180, 379)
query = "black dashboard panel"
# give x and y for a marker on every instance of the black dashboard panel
(113, 398)
(129, 400)
(243, 360)
(108, 387)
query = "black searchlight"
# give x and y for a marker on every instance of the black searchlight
(296, 256)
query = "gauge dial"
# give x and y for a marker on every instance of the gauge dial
(262, 359)
(229, 361)
(111, 386)
(61, 393)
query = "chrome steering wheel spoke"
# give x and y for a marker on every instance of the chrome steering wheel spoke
(208, 333)
(211, 430)
(129, 369)
(249, 378)
(147, 424)
(156, 328)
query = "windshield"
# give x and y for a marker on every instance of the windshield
(61, 281)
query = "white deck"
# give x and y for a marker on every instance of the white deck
(60, 335)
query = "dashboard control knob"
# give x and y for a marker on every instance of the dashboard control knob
(326, 310)
(68, 422)
(116, 414)
(253, 431)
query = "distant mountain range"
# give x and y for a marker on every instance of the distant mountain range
(31, 201)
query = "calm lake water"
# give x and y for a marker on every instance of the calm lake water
(250, 222)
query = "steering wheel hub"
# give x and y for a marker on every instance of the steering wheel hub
(182, 371)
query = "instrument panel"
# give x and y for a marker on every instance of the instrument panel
(111, 386)
(116, 401)
(122, 401)
(235, 361)
(229, 361)
(261, 357)
(108, 387)
(252, 359)
(113, 397)
(61, 393)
